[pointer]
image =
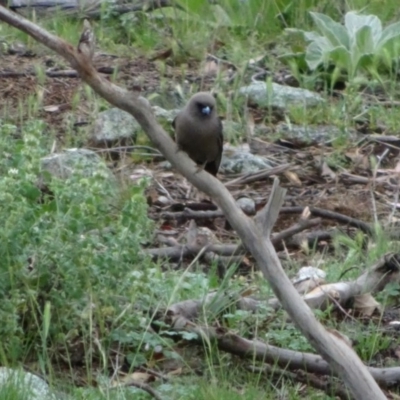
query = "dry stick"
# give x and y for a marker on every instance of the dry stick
(319, 212)
(177, 252)
(259, 175)
(340, 356)
(256, 350)
(51, 74)
(316, 212)
(140, 385)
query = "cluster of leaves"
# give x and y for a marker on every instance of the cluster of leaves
(76, 254)
(361, 44)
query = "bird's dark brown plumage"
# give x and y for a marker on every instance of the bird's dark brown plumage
(198, 131)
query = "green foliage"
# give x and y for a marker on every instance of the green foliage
(370, 345)
(361, 44)
(69, 264)
(289, 337)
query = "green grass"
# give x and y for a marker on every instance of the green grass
(77, 284)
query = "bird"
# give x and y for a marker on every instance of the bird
(198, 132)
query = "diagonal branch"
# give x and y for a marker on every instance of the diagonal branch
(339, 355)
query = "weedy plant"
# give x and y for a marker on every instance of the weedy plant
(71, 264)
(360, 45)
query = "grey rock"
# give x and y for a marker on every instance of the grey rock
(321, 134)
(240, 160)
(165, 165)
(281, 96)
(161, 113)
(63, 165)
(247, 205)
(27, 385)
(112, 128)
(309, 272)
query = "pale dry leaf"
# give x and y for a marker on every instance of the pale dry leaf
(326, 172)
(163, 175)
(326, 290)
(306, 214)
(51, 108)
(211, 68)
(366, 305)
(175, 372)
(136, 377)
(206, 236)
(309, 285)
(293, 178)
(140, 173)
(248, 291)
(304, 246)
(358, 160)
(257, 59)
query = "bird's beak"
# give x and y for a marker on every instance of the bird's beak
(206, 110)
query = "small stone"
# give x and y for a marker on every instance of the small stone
(247, 205)
(243, 163)
(114, 127)
(280, 96)
(29, 386)
(63, 165)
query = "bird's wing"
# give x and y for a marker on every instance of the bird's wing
(220, 146)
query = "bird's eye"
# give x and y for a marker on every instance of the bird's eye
(205, 110)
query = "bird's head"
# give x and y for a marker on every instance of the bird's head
(203, 104)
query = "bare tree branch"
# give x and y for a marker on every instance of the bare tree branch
(338, 354)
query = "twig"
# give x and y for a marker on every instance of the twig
(140, 385)
(176, 253)
(344, 219)
(259, 351)
(302, 225)
(71, 73)
(259, 175)
(163, 377)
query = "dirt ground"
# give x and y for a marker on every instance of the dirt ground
(309, 180)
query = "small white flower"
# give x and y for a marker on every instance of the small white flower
(31, 139)
(101, 173)
(12, 171)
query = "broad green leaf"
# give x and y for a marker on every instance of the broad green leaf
(358, 44)
(314, 56)
(364, 40)
(354, 22)
(310, 36)
(317, 52)
(298, 59)
(365, 62)
(340, 56)
(332, 30)
(389, 33)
